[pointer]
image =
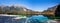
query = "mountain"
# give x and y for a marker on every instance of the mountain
(51, 10)
(57, 12)
(14, 9)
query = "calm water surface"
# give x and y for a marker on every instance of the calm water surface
(32, 19)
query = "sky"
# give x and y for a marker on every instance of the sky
(37, 5)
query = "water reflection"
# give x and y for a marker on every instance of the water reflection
(40, 19)
(10, 19)
(32, 19)
(37, 19)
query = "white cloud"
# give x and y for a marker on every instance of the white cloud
(38, 10)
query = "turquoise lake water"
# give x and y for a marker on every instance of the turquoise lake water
(16, 19)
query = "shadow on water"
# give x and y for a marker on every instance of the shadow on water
(50, 16)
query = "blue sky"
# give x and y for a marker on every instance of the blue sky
(38, 5)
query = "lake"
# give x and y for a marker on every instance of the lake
(17, 19)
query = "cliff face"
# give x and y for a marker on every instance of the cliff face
(50, 11)
(57, 12)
